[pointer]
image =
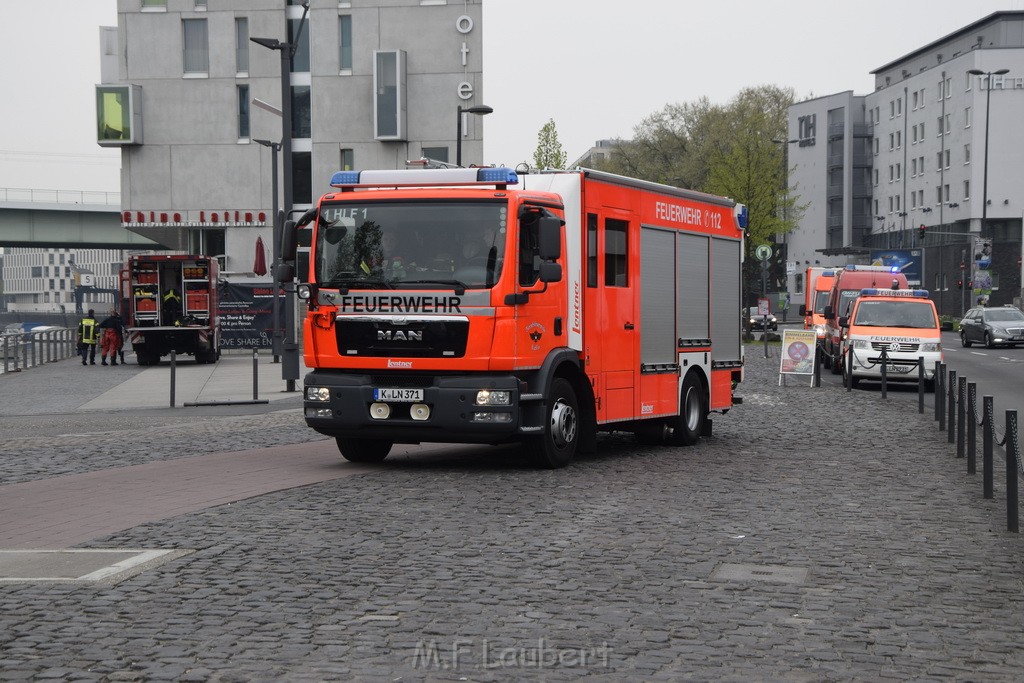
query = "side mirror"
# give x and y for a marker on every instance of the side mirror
(549, 233)
(803, 309)
(550, 272)
(289, 241)
(284, 272)
(844, 322)
(829, 313)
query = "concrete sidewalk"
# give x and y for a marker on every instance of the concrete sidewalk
(67, 387)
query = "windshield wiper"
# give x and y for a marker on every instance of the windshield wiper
(459, 286)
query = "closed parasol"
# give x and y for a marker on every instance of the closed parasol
(260, 266)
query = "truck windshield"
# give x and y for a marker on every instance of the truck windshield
(820, 301)
(895, 314)
(410, 244)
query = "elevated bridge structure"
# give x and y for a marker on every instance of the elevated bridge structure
(65, 219)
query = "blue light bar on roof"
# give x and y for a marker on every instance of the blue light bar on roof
(875, 269)
(345, 178)
(425, 177)
(875, 291)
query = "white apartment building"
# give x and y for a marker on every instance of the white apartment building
(872, 169)
(45, 280)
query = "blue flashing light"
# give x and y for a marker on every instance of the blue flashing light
(916, 293)
(500, 174)
(742, 217)
(341, 178)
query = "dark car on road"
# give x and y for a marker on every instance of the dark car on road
(757, 322)
(1001, 326)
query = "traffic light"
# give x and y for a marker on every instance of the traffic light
(920, 232)
(970, 284)
(959, 284)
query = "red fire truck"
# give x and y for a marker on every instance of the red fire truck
(484, 306)
(170, 304)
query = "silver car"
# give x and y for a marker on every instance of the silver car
(1000, 326)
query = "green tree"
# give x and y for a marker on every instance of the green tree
(549, 153)
(725, 150)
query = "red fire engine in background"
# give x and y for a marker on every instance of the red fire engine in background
(484, 306)
(170, 303)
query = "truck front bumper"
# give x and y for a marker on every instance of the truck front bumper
(446, 410)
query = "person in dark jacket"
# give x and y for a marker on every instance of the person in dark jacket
(112, 329)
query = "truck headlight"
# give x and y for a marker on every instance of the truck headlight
(861, 344)
(318, 394)
(930, 347)
(488, 397)
(820, 331)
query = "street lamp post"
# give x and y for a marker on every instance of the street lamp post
(290, 366)
(480, 110)
(276, 333)
(984, 182)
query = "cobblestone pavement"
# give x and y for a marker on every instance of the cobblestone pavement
(444, 568)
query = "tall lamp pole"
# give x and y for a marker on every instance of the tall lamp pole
(278, 227)
(290, 367)
(480, 110)
(988, 102)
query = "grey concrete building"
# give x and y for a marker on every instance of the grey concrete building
(186, 94)
(874, 168)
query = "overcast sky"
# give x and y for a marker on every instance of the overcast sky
(596, 67)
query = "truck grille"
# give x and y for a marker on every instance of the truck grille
(414, 339)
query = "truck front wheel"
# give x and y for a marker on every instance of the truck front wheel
(363, 450)
(557, 447)
(693, 410)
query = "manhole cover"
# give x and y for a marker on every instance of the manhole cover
(105, 567)
(778, 573)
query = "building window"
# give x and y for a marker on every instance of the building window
(967, 190)
(892, 109)
(899, 106)
(154, 5)
(345, 43)
(967, 117)
(206, 242)
(806, 126)
(616, 253)
(899, 171)
(436, 153)
(347, 160)
(242, 45)
(890, 204)
(913, 168)
(302, 177)
(899, 139)
(389, 104)
(892, 141)
(946, 158)
(200, 5)
(300, 62)
(302, 125)
(243, 112)
(945, 193)
(196, 46)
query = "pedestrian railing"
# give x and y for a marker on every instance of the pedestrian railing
(956, 411)
(23, 350)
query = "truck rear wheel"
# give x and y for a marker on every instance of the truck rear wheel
(685, 428)
(557, 447)
(363, 450)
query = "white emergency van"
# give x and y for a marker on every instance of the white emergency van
(897, 328)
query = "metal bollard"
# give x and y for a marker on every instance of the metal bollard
(1012, 467)
(174, 367)
(885, 365)
(972, 437)
(817, 365)
(255, 374)
(951, 392)
(986, 449)
(940, 391)
(961, 416)
(920, 385)
(849, 370)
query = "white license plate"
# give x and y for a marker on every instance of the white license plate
(406, 395)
